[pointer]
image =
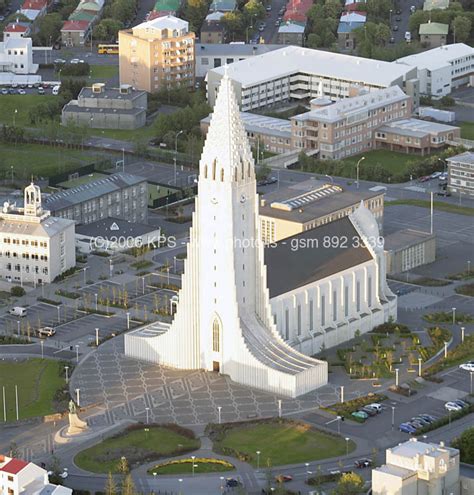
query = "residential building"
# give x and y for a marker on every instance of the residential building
(114, 235)
(119, 195)
(407, 249)
(17, 29)
(296, 10)
(157, 54)
(435, 4)
(291, 33)
(32, 9)
(263, 133)
(418, 468)
(415, 136)
(166, 7)
(209, 55)
(296, 209)
(297, 73)
(223, 6)
(18, 477)
(75, 33)
(346, 39)
(212, 32)
(35, 247)
(240, 311)
(346, 127)
(16, 56)
(433, 34)
(215, 16)
(442, 69)
(99, 107)
(461, 174)
(353, 17)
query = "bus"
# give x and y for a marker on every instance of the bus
(108, 49)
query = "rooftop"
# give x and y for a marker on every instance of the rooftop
(437, 57)
(164, 22)
(171, 5)
(114, 227)
(435, 4)
(232, 49)
(396, 471)
(13, 466)
(415, 127)
(289, 268)
(291, 60)
(110, 93)
(348, 27)
(215, 16)
(310, 200)
(91, 190)
(413, 447)
(17, 27)
(46, 228)
(223, 5)
(405, 238)
(75, 26)
(351, 106)
(434, 28)
(292, 27)
(467, 157)
(353, 17)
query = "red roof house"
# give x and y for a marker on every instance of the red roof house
(14, 466)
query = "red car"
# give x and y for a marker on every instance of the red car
(425, 178)
(283, 478)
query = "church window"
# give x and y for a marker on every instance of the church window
(235, 173)
(287, 324)
(215, 336)
(311, 309)
(243, 170)
(222, 175)
(205, 171)
(298, 314)
(248, 170)
(346, 301)
(214, 170)
(334, 306)
(323, 310)
(358, 296)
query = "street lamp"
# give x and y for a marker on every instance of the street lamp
(258, 459)
(77, 352)
(42, 349)
(176, 152)
(396, 376)
(357, 168)
(393, 417)
(18, 327)
(85, 276)
(454, 315)
(192, 458)
(347, 445)
(59, 314)
(468, 268)
(342, 394)
(446, 350)
(97, 337)
(471, 373)
(66, 368)
(146, 410)
(111, 268)
(419, 366)
(78, 397)
(219, 408)
(279, 408)
(128, 321)
(307, 472)
(462, 334)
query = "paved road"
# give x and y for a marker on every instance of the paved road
(404, 16)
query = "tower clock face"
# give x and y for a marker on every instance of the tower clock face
(243, 198)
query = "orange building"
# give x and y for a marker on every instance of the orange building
(157, 54)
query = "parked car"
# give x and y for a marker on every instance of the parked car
(453, 407)
(416, 424)
(443, 192)
(232, 482)
(268, 8)
(469, 366)
(395, 28)
(46, 332)
(41, 91)
(443, 176)
(435, 175)
(4, 91)
(363, 463)
(360, 414)
(376, 406)
(59, 61)
(421, 420)
(424, 178)
(461, 403)
(392, 40)
(428, 417)
(369, 411)
(21, 91)
(74, 61)
(283, 478)
(407, 428)
(18, 311)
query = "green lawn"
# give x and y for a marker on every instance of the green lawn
(37, 381)
(283, 443)
(84, 179)
(437, 205)
(103, 72)
(137, 446)
(184, 466)
(392, 161)
(39, 160)
(21, 103)
(467, 130)
(144, 133)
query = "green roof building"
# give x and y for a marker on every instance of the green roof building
(167, 5)
(82, 15)
(433, 34)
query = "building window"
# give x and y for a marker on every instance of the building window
(215, 335)
(287, 324)
(298, 314)
(334, 305)
(311, 309)
(358, 296)
(346, 301)
(369, 292)
(323, 310)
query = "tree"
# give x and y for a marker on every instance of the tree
(195, 11)
(123, 466)
(128, 487)
(110, 485)
(122, 10)
(13, 450)
(234, 23)
(49, 29)
(254, 10)
(349, 483)
(461, 27)
(465, 443)
(17, 291)
(332, 8)
(107, 29)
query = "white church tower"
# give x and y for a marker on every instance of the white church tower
(223, 320)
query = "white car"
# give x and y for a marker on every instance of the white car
(74, 61)
(376, 407)
(467, 366)
(452, 406)
(64, 474)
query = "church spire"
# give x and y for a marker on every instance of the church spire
(226, 154)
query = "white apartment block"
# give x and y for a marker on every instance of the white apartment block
(442, 69)
(299, 73)
(461, 173)
(418, 468)
(16, 56)
(34, 246)
(18, 477)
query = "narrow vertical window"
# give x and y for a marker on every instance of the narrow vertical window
(346, 301)
(215, 336)
(334, 305)
(311, 315)
(287, 324)
(298, 315)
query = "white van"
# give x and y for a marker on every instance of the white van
(46, 332)
(56, 90)
(408, 36)
(18, 311)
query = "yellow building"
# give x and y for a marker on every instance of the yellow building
(157, 54)
(309, 204)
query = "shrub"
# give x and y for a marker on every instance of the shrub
(465, 443)
(445, 420)
(68, 294)
(75, 69)
(391, 327)
(466, 290)
(347, 408)
(17, 291)
(46, 300)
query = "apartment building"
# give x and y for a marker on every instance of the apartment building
(418, 468)
(297, 73)
(415, 136)
(347, 127)
(18, 477)
(120, 195)
(296, 209)
(16, 56)
(442, 69)
(35, 247)
(433, 34)
(461, 174)
(17, 29)
(157, 54)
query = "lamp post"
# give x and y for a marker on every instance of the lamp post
(454, 315)
(357, 167)
(279, 408)
(66, 368)
(18, 327)
(59, 314)
(471, 373)
(396, 376)
(111, 268)
(143, 285)
(419, 366)
(85, 275)
(42, 349)
(258, 459)
(78, 396)
(393, 417)
(176, 152)
(192, 458)
(468, 268)
(342, 394)
(147, 409)
(445, 350)
(462, 334)
(77, 353)
(128, 321)
(219, 408)
(97, 337)
(347, 445)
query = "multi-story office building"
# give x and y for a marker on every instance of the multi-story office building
(119, 195)
(442, 69)
(296, 73)
(293, 210)
(35, 247)
(418, 468)
(347, 127)
(461, 174)
(157, 54)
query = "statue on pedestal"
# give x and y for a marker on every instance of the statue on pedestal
(76, 425)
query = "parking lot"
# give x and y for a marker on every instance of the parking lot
(164, 174)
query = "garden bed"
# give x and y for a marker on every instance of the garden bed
(465, 290)
(68, 294)
(185, 466)
(345, 409)
(447, 317)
